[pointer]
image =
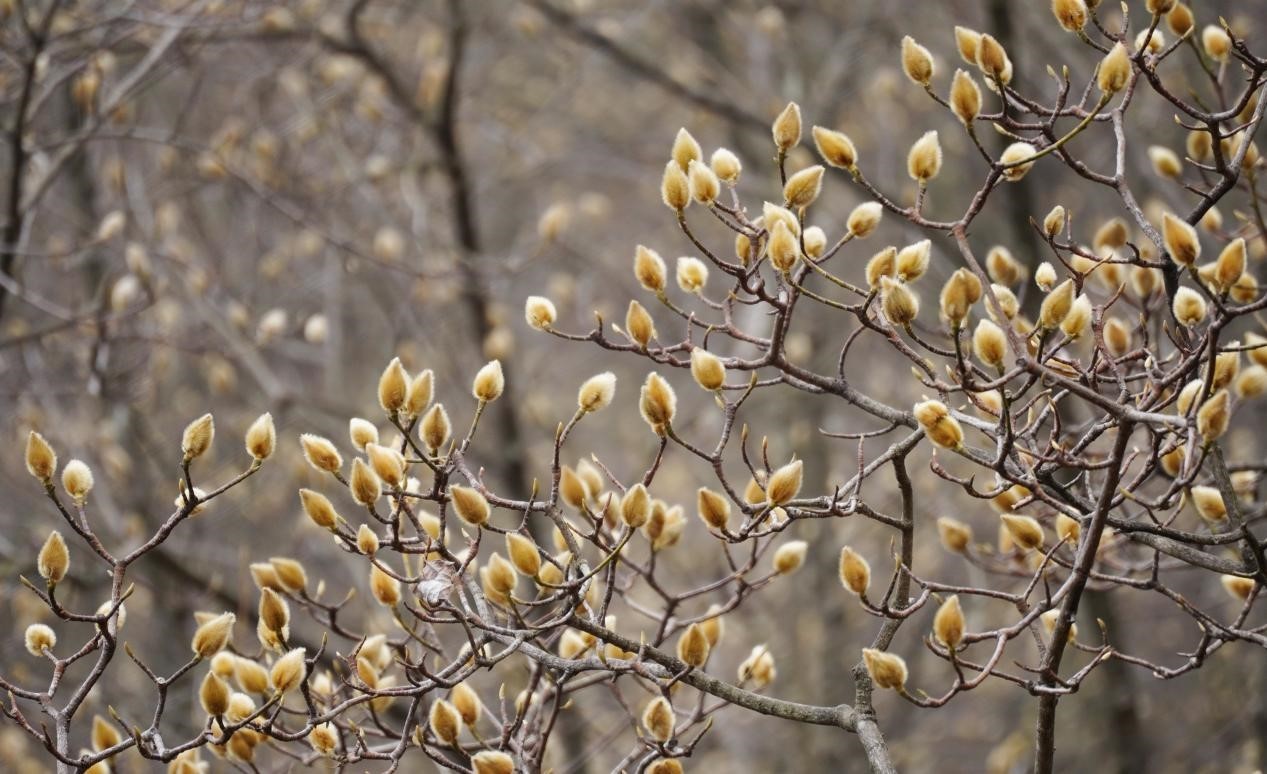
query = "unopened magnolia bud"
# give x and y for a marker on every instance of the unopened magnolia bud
(1049, 620)
(967, 41)
(501, 574)
(54, 559)
(435, 427)
(1226, 366)
(786, 129)
(38, 638)
(658, 718)
(212, 637)
(1117, 337)
(912, 261)
(960, 292)
(924, 160)
(1216, 41)
(324, 739)
(540, 313)
(597, 392)
(940, 427)
(1159, 7)
(1054, 222)
(899, 303)
(362, 433)
(887, 670)
(393, 387)
(1045, 276)
(635, 506)
(41, 460)
(658, 403)
(261, 438)
(965, 97)
(1252, 382)
(784, 483)
(1180, 19)
(713, 627)
(638, 324)
(1056, 305)
(1115, 70)
(274, 612)
(692, 274)
(1068, 528)
(523, 553)
(366, 540)
(1143, 281)
(882, 264)
(1188, 307)
(418, 397)
(288, 672)
(1213, 417)
(864, 219)
(572, 489)
(685, 149)
(1079, 317)
(790, 556)
(1165, 161)
(948, 623)
(726, 166)
(320, 453)
(1240, 588)
(1209, 503)
(855, 572)
(993, 59)
(198, 436)
(784, 248)
(384, 587)
(692, 646)
(213, 695)
(467, 703)
(470, 505)
(804, 187)
(1025, 530)
(675, 189)
(1071, 14)
(250, 676)
(1017, 160)
(290, 573)
(917, 62)
(1180, 240)
(489, 382)
(704, 184)
(649, 269)
(1002, 267)
(835, 148)
(77, 479)
(714, 508)
(989, 344)
(1230, 265)
(955, 535)
(707, 369)
(364, 484)
(319, 509)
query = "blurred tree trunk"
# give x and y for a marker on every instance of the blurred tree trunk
(1109, 701)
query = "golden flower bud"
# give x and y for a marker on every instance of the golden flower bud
(815, 241)
(692, 274)
(489, 382)
(387, 464)
(955, 535)
(864, 219)
(1025, 530)
(540, 313)
(261, 438)
(912, 261)
(1165, 161)
(635, 506)
(707, 369)
(887, 670)
(989, 344)
(597, 392)
(470, 505)
(41, 460)
(501, 574)
(713, 627)
(1209, 503)
(659, 720)
(54, 559)
(1217, 43)
(77, 479)
(1068, 528)
(703, 182)
(212, 637)
(393, 387)
(1189, 307)
(965, 97)
(385, 588)
(1115, 70)
(882, 264)
(213, 695)
(1240, 588)
(899, 303)
(960, 292)
(649, 269)
(658, 403)
(685, 149)
(786, 129)
(319, 509)
(713, 508)
(1230, 265)
(1017, 160)
(324, 739)
(320, 453)
(39, 637)
(1056, 305)
(1049, 620)
(467, 703)
(784, 248)
(948, 623)
(638, 324)
(1252, 382)
(290, 573)
(917, 62)
(855, 572)
(758, 668)
(726, 166)
(1002, 267)
(1117, 337)
(784, 483)
(1180, 19)
(941, 428)
(364, 484)
(789, 557)
(675, 189)
(435, 428)
(992, 58)
(967, 41)
(692, 646)
(835, 148)
(1079, 317)
(274, 611)
(804, 187)
(288, 672)
(250, 676)
(1071, 14)
(572, 488)
(923, 162)
(523, 553)
(198, 436)
(1054, 223)
(1180, 240)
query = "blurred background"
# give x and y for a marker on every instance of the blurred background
(241, 206)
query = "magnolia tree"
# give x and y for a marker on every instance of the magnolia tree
(1088, 421)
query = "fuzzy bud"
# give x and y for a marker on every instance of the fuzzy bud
(1115, 70)
(39, 637)
(941, 428)
(659, 720)
(855, 572)
(1213, 417)
(470, 505)
(917, 62)
(385, 588)
(212, 637)
(899, 303)
(1188, 307)
(726, 166)
(786, 129)
(198, 436)
(784, 248)
(635, 506)
(955, 535)
(1180, 240)
(675, 188)
(41, 460)
(804, 187)
(393, 387)
(288, 672)
(704, 184)
(965, 97)
(1025, 530)
(692, 274)
(261, 438)
(658, 403)
(1216, 42)
(887, 670)
(1017, 160)
(864, 219)
(923, 162)
(54, 559)
(597, 392)
(835, 148)
(540, 313)
(1071, 14)
(790, 556)
(948, 623)
(692, 646)
(649, 269)
(784, 483)
(1056, 305)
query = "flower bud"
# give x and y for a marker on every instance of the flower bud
(855, 572)
(659, 720)
(274, 612)
(993, 59)
(1049, 620)
(1180, 19)
(989, 344)
(501, 574)
(786, 129)
(1079, 317)
(1071, 14)
(470, 505)
(707, 369)
(212, 637)
(489, 382)
(290, 573)
(882, 264)
(467, 703)
(900, 305)
(1068, 528)
(385, 588)
(912, 261)
(675, 189)
(917, 63)
(597, 392)
(1025, 530)
(941, 428)
(1189, 307)
(967, 41)
(713, 508)
(704, 184)
(1217, 43)
(789, 557)
(523, 553)
(1002, 267)
(965, 97)
(261, 438)
(960, 292)
(364, 484)
(213, 695)
(948, 623)
(41, 460)
(1165, 162)
(864, 219)
(1240, 588)
(685, 149)
(804, 187)
(435, 428)
(78, 481)
(540, 313)
(815, 241)
(1017, 160)
(1209, 503)
(887, 670)
(726, 166)
(784, 483)
(658, 403)
(1054, 222)
(924, 160)
(38, 638)
(955, 535)
(1213, 417)
(393, 386)
(692, 646)
(320, 453)
(692, 273)
(635, 506)
(784, 248)
(288, 672)
(324, 739)
(198, 436)
(1252, 382)
(1115, 70)
(319, 509)
(54, 559)
(1180, 240)
(1056, 305)
(835, 148)
(649, 269)
(1230, 265)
